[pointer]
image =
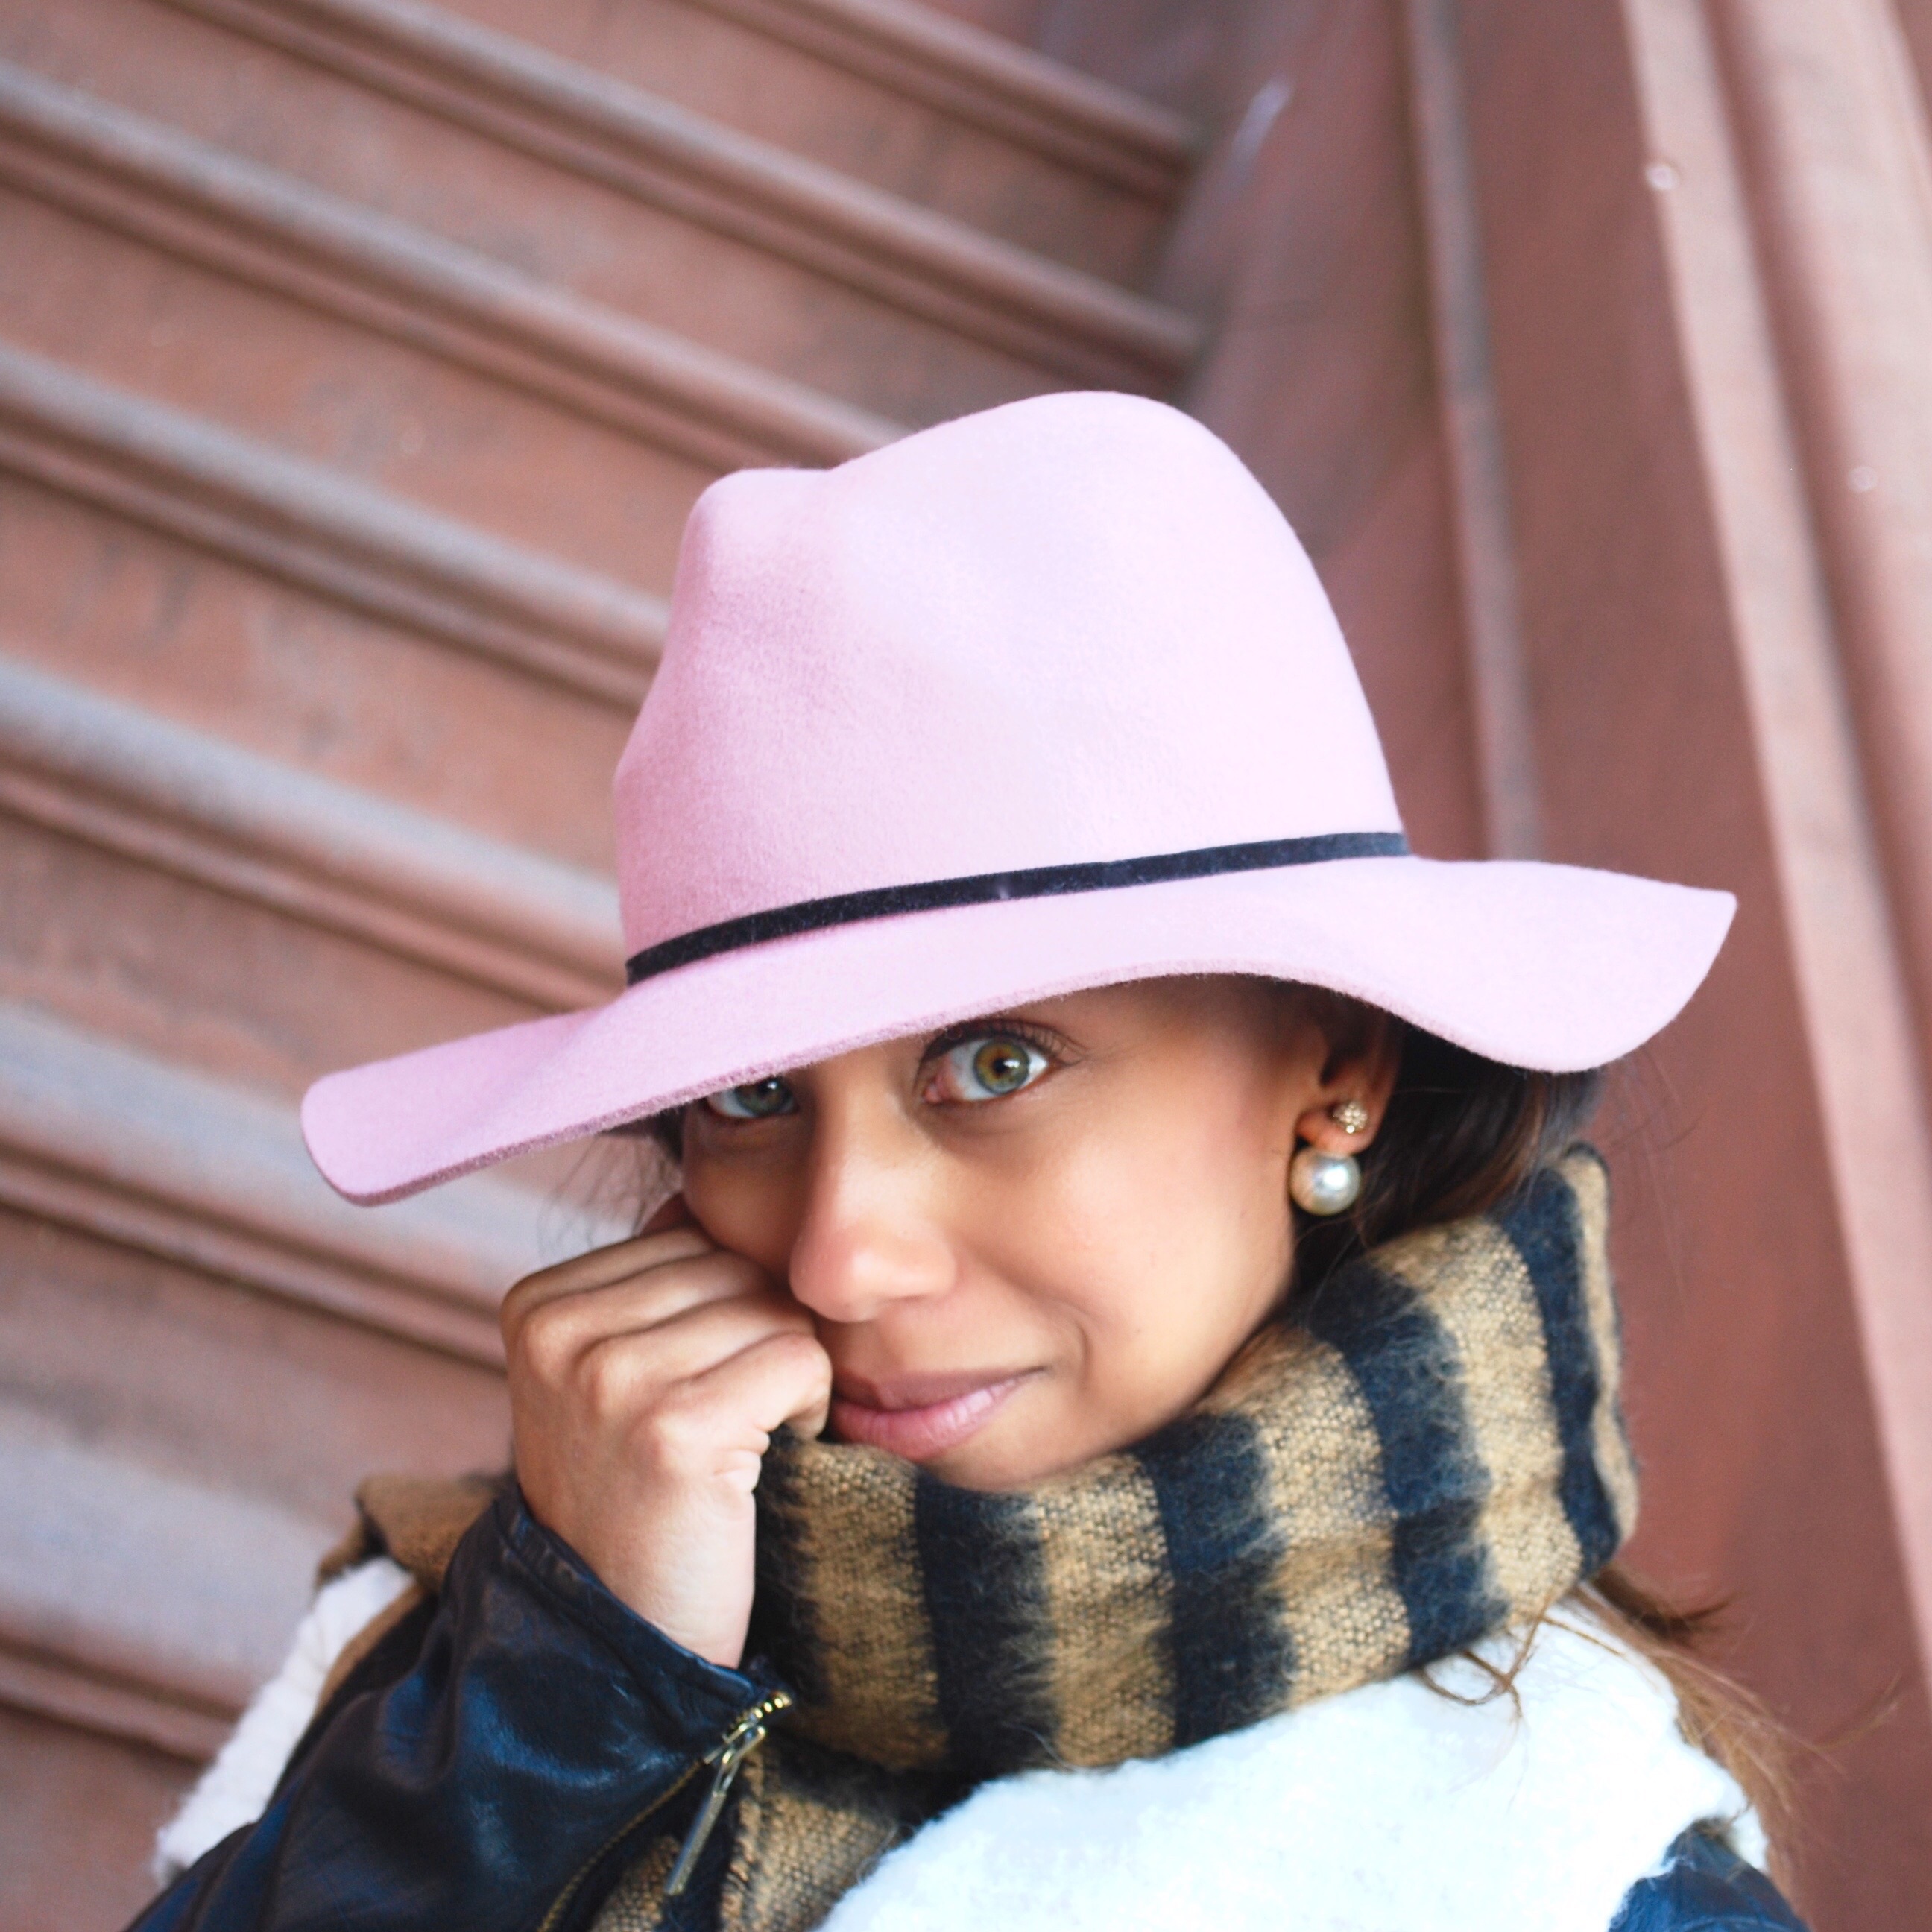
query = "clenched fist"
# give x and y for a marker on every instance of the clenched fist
(645, 1380)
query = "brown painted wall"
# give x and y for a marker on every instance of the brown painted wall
(331, 574)
(55, 1875)
(1749, 1398)
(1301, 249)
(1017, 19)
(1915, 26)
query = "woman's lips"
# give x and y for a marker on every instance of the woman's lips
(916, 1420)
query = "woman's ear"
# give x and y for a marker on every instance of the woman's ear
(1357, 1075)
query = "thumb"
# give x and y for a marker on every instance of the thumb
(809, 1418)
(814, 1411)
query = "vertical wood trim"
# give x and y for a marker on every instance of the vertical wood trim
(1842, 177)
(1485, 544)
(1855, 998)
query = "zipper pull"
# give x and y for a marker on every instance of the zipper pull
(738, 1742)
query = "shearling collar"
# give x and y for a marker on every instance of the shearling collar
(1388, 1808)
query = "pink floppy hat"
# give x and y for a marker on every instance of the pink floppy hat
(1042, 699)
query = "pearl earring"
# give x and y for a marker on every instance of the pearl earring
(1351, 1116)
(1324, 1183)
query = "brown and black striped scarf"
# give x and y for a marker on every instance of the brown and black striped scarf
(1426, 1450)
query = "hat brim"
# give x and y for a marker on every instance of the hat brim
(1554, 967)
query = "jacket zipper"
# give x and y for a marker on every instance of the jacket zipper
(727, 1756)
(739, 1741)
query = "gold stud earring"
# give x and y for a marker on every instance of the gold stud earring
(1351, 1116)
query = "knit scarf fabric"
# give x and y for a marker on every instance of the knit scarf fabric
(1425, 1450)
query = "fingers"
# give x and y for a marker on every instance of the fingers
(696, 1402)
(603, 1267)
(809, 1418)
(645, 1382)
(631, 1256)
(624, 1372)
(783, 1378)
(551, 1335)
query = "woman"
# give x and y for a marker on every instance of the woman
(1119, 1424)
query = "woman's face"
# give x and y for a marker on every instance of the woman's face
(1033, 1239)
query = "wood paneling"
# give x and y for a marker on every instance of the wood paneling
(1765, 1479)
(358, 365)
(1018, 146)
(78, 1815)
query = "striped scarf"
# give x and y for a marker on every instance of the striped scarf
(1427, 1449)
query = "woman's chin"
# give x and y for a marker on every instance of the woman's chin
(1018, 1448)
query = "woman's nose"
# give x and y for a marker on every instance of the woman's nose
(867, 1241)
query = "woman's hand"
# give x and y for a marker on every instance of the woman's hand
(646, 1379)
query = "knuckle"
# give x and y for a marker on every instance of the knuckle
(515, 1313)
(730, 1266)
(537, 1284)
(606, 1378)
(522, 1289)
(545, 1343)
(675, 1432)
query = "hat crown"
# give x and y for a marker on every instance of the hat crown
(1070, 630)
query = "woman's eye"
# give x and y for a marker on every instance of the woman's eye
(989, 1068)
(759, 1101)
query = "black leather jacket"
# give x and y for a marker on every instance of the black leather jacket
(497, 1759)
(493, 1763)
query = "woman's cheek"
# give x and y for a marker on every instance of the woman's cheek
(740, 1217)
